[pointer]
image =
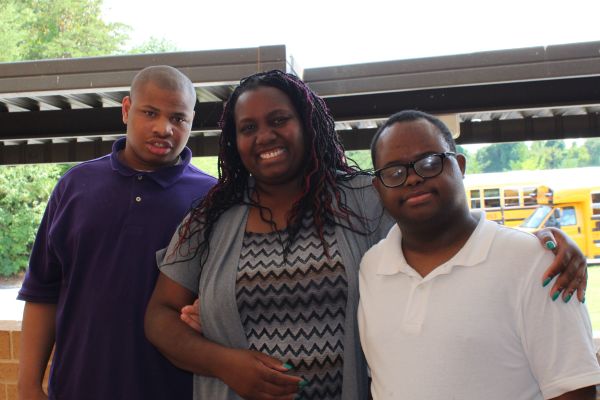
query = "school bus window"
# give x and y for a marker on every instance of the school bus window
(475, 199)
(568, 216)
(596, 203)
(511, 198)
(529, 198)
(491, 198)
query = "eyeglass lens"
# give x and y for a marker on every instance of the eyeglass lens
(426, 167)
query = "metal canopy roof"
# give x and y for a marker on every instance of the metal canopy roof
(68, 110)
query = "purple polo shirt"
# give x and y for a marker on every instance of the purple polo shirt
(94, 256)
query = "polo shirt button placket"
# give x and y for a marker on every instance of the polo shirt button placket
(138, 199)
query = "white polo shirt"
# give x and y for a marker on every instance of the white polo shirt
(480, 326)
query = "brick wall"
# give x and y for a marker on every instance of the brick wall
(10, 334)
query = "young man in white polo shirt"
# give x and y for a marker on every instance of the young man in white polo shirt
(451, 307)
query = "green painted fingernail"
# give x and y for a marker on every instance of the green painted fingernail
(555, 295)
(302, 384)
(550, 245)
(546, 281)
(287, 366)
(566, 299)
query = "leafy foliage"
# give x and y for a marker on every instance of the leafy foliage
(154, 45)
(362, 158)
(593, 149)
(501, 156)
(473, 166)
(544, 154)
(41, 29)
(13, 32)
(24, 192)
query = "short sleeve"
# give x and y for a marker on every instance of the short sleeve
(180, 260)
(43, 278)
(557, 338)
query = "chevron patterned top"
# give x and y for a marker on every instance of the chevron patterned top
(293, 308)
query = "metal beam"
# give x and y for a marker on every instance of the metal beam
(83, 75)
(107, 121)
(506, 96)
(499, 131)
(543, 85)
(495, 131)
(93, 122)
(481, 68)
(546, 128)
(75, 151)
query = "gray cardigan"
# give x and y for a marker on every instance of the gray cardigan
(216, 287)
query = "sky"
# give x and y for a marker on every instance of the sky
(332, 32)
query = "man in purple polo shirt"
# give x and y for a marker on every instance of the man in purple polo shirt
(92, 268)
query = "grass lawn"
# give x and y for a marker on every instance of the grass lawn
(592, 296)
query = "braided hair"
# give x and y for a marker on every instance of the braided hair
(325, 169)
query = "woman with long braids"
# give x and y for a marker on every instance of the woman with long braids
(273, 252)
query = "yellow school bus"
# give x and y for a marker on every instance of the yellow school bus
(575, 210)
(508, 198)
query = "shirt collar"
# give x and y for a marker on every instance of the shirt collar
(165, 177)
(471, 254)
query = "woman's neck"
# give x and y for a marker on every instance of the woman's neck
(274, 205)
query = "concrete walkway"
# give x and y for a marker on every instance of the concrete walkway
(11, 309)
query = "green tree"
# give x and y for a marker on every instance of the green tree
(473, 166)
(41, 29)
(554, 153)
(13, 31)
(500, 157)
(24, 191)
(551, 154)
(535, 157)
(154, 45)
(362, 158)
(575, 156)
(38, 29)
(593, 148)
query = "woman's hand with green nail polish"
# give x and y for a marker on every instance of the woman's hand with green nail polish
(256, 376)
(569, 266)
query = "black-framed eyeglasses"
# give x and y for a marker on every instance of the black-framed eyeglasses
(426, 167)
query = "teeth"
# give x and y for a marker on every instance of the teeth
(159, 145)
(271, 154)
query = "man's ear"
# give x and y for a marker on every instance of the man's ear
(376, 182)
(462, 163)
(125, 106)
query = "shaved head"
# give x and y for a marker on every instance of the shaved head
(166, 78)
